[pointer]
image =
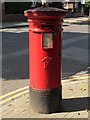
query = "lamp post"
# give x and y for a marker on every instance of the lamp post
(82, 8)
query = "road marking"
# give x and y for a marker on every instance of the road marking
(13, 97)
(75, 82)
(13, 92)
(76, 78)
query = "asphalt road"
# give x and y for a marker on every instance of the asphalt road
(15, 54)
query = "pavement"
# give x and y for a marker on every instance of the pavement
(67, 21)
(76, 20)
(75, 100)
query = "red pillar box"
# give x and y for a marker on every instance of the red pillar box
(45, 50)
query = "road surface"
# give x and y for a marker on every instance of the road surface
(15, 54)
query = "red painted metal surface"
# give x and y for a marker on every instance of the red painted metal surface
(45, 65)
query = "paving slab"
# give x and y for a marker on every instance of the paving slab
(74, 104)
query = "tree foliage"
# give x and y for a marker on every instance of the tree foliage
(87, 3)
(17, 7)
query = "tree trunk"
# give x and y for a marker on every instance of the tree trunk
(3, 11)
(82, 10)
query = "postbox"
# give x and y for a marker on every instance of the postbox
(45, 58)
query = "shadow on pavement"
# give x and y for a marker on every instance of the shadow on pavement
(15, 55)
(75, 104)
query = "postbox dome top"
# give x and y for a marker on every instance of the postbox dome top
(44, 12)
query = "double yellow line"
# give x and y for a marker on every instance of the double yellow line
(21, 90)
(76, 78)
(24, 90)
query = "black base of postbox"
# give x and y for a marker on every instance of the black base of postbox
(45, 101)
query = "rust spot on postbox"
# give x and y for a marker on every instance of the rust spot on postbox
(46, 61)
